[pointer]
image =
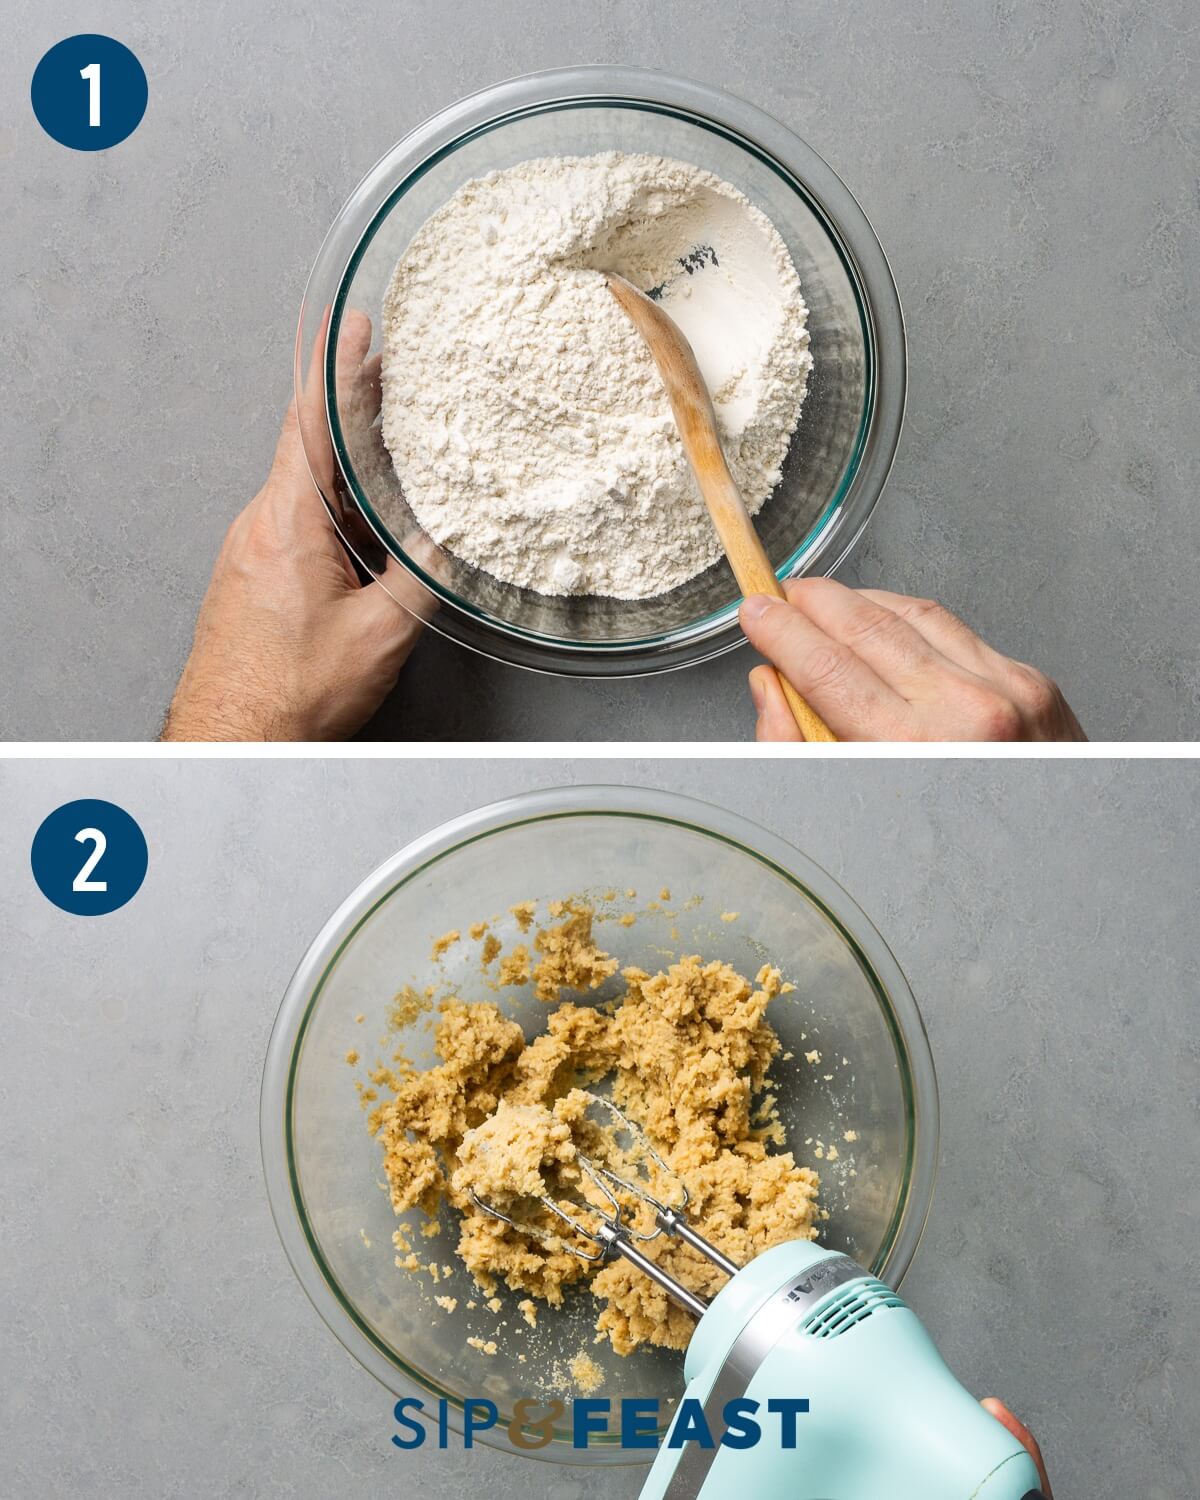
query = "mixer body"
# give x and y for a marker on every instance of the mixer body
(887, 1420)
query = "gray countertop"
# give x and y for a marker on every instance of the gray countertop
(1030, 170)
(156, 1342)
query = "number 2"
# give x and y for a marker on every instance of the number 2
(93, 836)
(92, 74)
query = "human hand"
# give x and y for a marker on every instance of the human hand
(1022, 1435)
(880, 666)
(289, 645)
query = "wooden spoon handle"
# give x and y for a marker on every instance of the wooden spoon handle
(693, 411)
(743, 546)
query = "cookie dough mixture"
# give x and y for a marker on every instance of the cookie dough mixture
(524, 416)
(684, 1053)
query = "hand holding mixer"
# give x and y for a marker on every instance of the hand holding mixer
(887, 1419)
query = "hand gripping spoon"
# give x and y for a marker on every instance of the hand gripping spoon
(693, 411)
(883, 1417)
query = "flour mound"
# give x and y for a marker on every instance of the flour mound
(524, 415)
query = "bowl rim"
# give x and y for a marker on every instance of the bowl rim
(848, 510)
(276, 1100)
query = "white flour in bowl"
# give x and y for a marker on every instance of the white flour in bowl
(523, 413)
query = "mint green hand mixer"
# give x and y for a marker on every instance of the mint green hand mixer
(886, 1418)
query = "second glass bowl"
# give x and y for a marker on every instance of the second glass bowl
(851, 1006)
(849, 427)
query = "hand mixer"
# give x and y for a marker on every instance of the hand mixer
(887, 1420)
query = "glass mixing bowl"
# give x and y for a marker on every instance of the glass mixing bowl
(839, 456)
(851, 1004)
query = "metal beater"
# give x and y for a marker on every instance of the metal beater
(612, 1234)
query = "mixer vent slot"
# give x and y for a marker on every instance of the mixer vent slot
(854, 1303)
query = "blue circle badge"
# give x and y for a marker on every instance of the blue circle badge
(89, 92)
(89, 857)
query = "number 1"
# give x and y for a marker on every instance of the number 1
(83, 881)
(92, 74)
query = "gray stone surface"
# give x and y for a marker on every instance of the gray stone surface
(1030, 169)
(156, 1343)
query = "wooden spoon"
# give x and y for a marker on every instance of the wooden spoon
(693, 411)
